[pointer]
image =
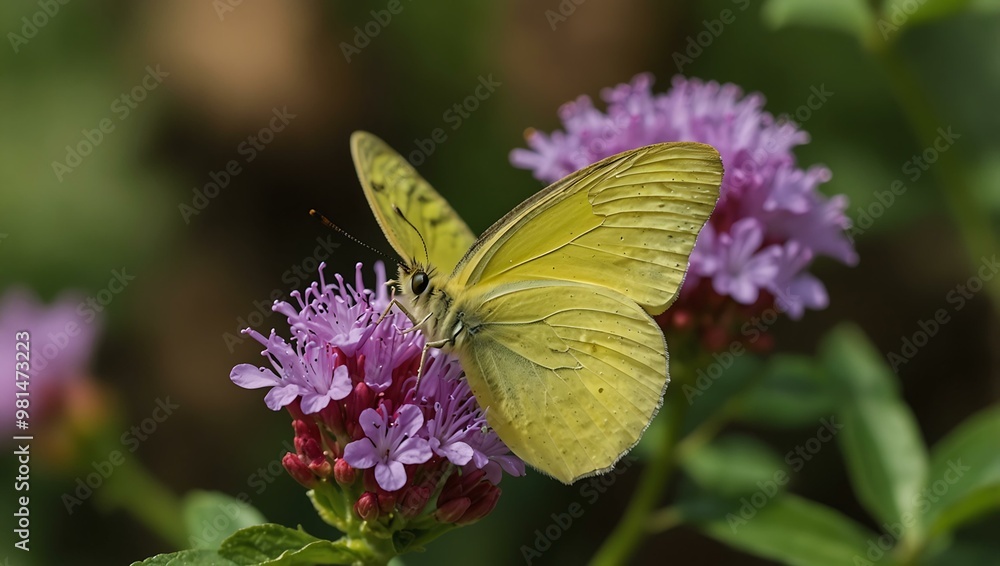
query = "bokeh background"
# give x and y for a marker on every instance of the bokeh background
(202, 273)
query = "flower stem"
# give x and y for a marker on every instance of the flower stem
(623, 541)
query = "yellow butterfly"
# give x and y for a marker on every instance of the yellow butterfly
(549, 310)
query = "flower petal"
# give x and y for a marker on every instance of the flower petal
(341, 386)
(458, 453)
(281, 395)
(249, 376)
(412, 451)
(390, 476)
(409, 420)
(313, 403)
(361, 454)
(372, 423)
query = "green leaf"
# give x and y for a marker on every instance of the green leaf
(850, 16)
(261, 543)
(734, 465)
(910, 12)
(793, 530)
(187, 558)
(211, 517)
(886, 457)
(319, 552)
(793, 392)
(964, 480)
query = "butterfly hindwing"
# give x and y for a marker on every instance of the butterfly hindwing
(569, 374)
(390, 182)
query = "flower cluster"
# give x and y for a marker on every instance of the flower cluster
(405, 451)
(771, 220)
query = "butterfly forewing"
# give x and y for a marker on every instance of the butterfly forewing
(390, 182)
(627, 223)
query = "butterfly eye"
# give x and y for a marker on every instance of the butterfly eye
(419, 282)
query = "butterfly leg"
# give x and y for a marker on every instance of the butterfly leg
(395, 303)
(423, 355)
(416, 323)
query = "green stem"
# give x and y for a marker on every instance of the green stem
(376, 551)
(952, 174)
(133, 489)
(623, 541)
(664, 519)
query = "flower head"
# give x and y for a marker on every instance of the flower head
(771, 220)
(350, 382)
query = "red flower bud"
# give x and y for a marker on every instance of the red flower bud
(343, 472)
(452, 511)
(481, 507)
(367, 506)
(298, 470)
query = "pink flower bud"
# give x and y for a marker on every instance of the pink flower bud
(343, 472)
(482, 506)
(367, 506)
(298, 470)
(452, 511)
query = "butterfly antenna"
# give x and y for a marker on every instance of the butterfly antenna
(326, 222)
(427, 256)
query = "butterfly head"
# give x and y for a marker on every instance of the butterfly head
(419, 282)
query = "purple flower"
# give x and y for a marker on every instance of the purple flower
(766, 201)
(312, 373)
(492, 456)
(352, 389)
(454, 418)
(737, 264)
(388, 445)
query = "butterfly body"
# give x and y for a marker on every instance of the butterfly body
(549, 311)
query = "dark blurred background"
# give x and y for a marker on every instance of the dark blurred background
(225, 68)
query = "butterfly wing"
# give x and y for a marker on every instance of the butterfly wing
(555, 298)
(628, 223)
(391, 183)
(569, 374)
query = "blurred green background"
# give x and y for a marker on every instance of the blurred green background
(200, 275)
